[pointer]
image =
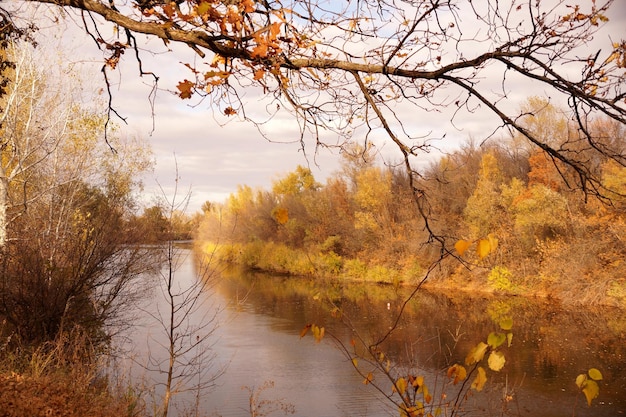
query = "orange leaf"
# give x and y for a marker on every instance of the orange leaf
(169, 10)
(259, 51)
(461, 246)
(274, 30)
(258, 74)
(186, 89)
(305, 330)
(458, 372)
(229, 111)
(247, 5)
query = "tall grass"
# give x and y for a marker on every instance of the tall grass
(62, 377)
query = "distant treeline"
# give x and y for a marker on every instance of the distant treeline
(364, 223)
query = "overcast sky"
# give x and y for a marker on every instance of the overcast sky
(213, 158)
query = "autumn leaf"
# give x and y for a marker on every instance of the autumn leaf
(281, 215)
(427, 397)
(458, 372)
(318, 333)
(229, 111)
(483, 248)
(461, 246)
(506, 323)
(591, 390)
(493, 242)
(595, 374)
(305, 330)
(203, 8)
(588, 386)
(480, 380)
(476, 354)
(274, 30)
(169, 10)
(400, 386)
(495, 339)
(247, 5)
(259, 74)
(186, 89)
(369, 378)
(259, 51)
(418, 382)
(496, 361)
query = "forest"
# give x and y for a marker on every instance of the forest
(549, 240)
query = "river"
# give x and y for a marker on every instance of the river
(257, 342)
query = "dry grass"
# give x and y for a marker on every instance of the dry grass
(59, 378)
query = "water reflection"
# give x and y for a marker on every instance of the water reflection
(551, 345)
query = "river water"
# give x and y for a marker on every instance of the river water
(258, 345)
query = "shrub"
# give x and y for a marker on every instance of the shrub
(500, 279)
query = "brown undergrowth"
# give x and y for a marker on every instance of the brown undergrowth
(60, 378)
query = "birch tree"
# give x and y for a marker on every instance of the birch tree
(30, 132)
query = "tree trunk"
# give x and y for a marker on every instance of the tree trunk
(4, 201)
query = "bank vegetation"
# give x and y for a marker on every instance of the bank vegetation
(363, 223)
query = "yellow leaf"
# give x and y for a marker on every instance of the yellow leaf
(318, 333)
(218, 60)
(496, 361)
(461, 246)
(418, 382)
(203, 8)
(476, 354)
(355, 362)
(493, 242)
(400, 386)
(427, 397)
(483, 248)
(506, 323)
(595, 374)
(612, 57)
(369, 378)
(509, 339)
(480, 380)
(591, 390)
(580, 380)
(495, 339)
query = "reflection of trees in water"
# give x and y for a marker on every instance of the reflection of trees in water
(551, 344)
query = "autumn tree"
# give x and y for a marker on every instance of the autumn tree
(484, 211)
(66, 261)
(349, 68)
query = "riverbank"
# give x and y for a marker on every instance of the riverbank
(449, 274)
(61, 378)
